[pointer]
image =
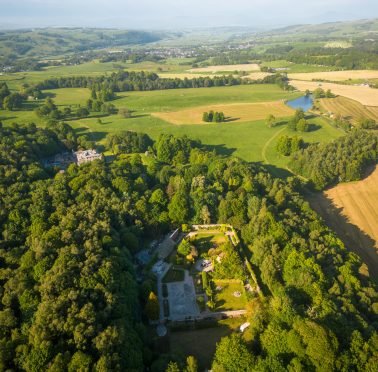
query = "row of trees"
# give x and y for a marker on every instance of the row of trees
(50, 110)
(298, 122)
(320, 93)
(287, 145)
(104, 87)
(10, 101)
(213, 117)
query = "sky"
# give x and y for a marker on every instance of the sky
(179, 14)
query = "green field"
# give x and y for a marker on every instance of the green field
(325, 132)
(93, 68)
(252, 141)
(202, 342)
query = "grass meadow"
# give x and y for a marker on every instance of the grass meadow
(250, 140)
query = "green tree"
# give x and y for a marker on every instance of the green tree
(184, 248)
(270, 120)
(172, 367)
(152, 308)
(303, 126)
(178, 208)
(12, 101)
(284, 145)
(191, 364)
(232, 355)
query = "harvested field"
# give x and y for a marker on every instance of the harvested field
(214, 69)
(365, 95)
(348, 108)
(187, 75)
(336, 75)
(236, 112)
(257, 75)
(351, 209)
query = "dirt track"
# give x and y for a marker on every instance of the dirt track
(351, 209)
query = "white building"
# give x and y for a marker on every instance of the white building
(87, 156)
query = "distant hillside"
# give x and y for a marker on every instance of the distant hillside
(57, 41)
(351, 29)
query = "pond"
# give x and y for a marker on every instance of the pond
(304, 102)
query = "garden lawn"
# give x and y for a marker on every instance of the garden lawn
(225, 299)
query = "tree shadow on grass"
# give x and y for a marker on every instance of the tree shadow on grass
(97, 136)
(314, 127)
(220, 149)
(280, 123)
(139, 116)
(49, 95)
(81, 130)
(276, 171)
(230, 119)
(4, 118)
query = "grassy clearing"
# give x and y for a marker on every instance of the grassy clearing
(175, 99)
(69, 96)
(243, 139)
(347, 108)
(205, 241)
(336, 75)
(236, 112)
(225, 298)
(201, 343)
(324, 133)
(365, 95)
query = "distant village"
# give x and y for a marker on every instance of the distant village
(64, 159)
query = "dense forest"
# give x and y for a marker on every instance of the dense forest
(69, 297)
(345, 159)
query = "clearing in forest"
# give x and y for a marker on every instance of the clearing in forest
(348, 108)
(336, 75)
(214, 69)
(236, 112)
(365, 95)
